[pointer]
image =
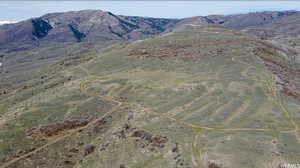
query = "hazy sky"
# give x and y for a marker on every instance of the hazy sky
(20, 10)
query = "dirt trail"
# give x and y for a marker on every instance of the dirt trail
(276, 99)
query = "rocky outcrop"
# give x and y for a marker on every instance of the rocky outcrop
(88, 149)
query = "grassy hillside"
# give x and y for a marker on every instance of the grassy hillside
(201, 97)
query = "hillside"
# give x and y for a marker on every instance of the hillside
(205, 96)
(279, 28)
(94, 89)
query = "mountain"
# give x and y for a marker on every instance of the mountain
(30, 44)
(71, 27)
(100, 26)
(241, 21)
(280, 28)
(97, 25)
(195, 93)
(263, 24)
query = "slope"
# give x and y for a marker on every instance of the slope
(200, 97)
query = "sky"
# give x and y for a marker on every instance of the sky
(21, 10)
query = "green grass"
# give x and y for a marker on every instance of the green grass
(3, 108)
(209, 90)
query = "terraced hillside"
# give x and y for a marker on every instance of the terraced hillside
(201, 97)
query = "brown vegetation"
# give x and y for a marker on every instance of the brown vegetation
(288, 74)
(75, 60)
(152, 141)
(99, 125)
(213, 165)
(173, 50)
(291, 93)
(55, 129)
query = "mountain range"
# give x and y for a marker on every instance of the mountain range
(97, 25)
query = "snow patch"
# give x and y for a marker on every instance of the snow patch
(6, 22)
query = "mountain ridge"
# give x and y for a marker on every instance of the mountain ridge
(120, 28)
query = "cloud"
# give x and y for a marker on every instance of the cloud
(6, 22)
